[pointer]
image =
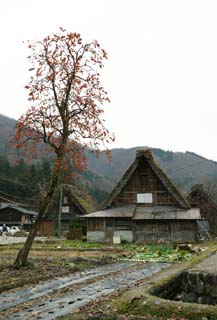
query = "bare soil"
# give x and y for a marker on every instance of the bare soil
(48, 264)
(134, 304)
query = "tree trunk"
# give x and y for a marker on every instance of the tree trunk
(24, 252)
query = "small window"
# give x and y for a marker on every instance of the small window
(144, 198)
(109, 224)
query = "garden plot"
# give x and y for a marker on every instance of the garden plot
(58, 306)
(12, 299)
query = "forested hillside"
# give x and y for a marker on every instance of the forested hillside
(185, 169)
(7, 126)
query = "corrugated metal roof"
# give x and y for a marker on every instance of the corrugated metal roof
(148, 213)
(121, 212)
(160, 213)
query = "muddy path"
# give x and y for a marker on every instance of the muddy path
(61, 296)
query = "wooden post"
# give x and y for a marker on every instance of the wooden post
(60, 212)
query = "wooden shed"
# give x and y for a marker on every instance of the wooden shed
(14, 215)
(144, 206)
(199, 198)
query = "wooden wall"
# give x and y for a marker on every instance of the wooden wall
(10, 216)
(67, 217)
(144, 180)
(146, 230)
(164, 230)
(46, 228)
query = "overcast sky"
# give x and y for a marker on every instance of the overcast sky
(161, 74)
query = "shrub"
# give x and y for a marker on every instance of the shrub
(74, 234)
(21, 233)
(76, 223)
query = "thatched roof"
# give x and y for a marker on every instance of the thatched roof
(146, 155)
(80, 201)
(198, 197)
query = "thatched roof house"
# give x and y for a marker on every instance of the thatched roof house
(199, 198)
(73, 204)
(144, 206)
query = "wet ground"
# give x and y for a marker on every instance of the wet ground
(64, 295)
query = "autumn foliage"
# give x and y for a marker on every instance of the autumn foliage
(66, 99)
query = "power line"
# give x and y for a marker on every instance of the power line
(17, 182)
(9, 196)
(15, 202)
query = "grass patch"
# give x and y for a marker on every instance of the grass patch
(162, 309)
(77, 244)
(140, 302)
(55, 244)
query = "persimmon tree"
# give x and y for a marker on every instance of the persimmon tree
(65, 114)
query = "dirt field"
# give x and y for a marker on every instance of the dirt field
(53, 260)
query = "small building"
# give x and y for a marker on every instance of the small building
(14, 215)
(66, 210)
(199, 198)
(69, 205)
(144, 206)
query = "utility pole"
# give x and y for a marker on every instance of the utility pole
(60, 211)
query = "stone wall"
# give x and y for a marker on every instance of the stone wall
(199, 287)
(191, 286)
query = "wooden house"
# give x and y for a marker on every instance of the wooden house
(199, 198)
(14, 215)
(70, 205)
(144, 206)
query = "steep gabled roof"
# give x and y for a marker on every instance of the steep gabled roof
(146, 155)
(79, 199)
(197, 195)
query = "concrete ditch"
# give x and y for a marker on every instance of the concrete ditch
(190, 286)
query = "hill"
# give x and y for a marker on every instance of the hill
(184, 168)
(7, 126)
